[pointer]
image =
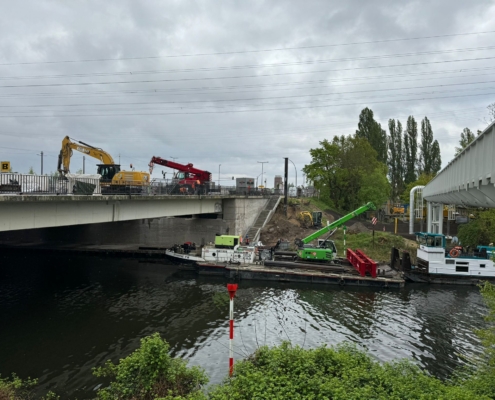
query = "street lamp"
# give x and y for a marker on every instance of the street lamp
(262, 162)
(41, 162)
(257, 181)
(295, 169)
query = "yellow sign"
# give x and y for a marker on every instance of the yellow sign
(4, 166)
(261, 187)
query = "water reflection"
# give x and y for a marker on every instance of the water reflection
(62, 316)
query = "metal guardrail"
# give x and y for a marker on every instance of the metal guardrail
(54, 185)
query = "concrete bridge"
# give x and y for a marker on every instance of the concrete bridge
(468, 180)
(31, 212)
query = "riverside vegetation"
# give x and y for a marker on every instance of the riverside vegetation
(287, 372)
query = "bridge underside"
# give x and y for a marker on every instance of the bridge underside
(31, 212)
(469, 179)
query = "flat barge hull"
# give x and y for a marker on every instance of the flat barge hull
(446, 279)
(264, 273)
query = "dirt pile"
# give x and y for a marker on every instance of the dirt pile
(357, 227)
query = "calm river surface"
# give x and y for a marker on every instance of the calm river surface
(61, 316)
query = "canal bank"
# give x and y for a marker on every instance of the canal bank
(63, 315)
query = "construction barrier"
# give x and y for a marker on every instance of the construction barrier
(362, 263)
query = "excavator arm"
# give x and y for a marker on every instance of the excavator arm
(195, 173)
(66, 153)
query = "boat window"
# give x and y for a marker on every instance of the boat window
(430, 241)
(482, 265)
(438, 241)
(449, 261)
(421, 239)
(461, 268)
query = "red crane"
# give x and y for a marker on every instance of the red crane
(186, 174)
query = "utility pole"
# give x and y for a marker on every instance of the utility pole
(41, 162)
(219, 165)
(84, 164)
(286, 172)
(262, 162)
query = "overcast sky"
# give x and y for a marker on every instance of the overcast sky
(235, 82)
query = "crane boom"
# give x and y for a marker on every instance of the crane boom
(339, 222)
(191, 173)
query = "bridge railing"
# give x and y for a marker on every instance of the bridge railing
(43, 184)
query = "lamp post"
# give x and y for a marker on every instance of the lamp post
(41, 162)
(295, 169)
(219, 165)
(262, 162)
(257, 181)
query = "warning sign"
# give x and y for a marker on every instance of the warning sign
(4, 166)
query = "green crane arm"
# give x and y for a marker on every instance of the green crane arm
(339, 222)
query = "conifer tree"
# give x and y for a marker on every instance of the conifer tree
(372, 131)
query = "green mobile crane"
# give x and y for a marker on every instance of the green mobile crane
(322, 252)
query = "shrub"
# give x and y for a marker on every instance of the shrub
(149, 373)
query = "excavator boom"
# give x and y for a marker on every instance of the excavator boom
(66, 152)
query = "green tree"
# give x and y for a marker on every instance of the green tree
(466, 138)
(31, 171)
(410, 150)
(372, 131)
(375, 187)
(395, 158)
(430, 159)
(422, 180)
(149, 373)
(478, 231)
(339, 168)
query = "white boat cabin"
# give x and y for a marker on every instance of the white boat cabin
(237, 255)
(433, 258)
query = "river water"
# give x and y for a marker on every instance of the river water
(61, 316)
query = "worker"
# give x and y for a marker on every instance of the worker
(247, 240)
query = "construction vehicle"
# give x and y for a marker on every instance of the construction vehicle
(113, 180)
(325, 250)
(310, 219)
(187, 179)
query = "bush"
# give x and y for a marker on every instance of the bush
(343, 372)
(149, 373)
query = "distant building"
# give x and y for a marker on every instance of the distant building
(279, 182)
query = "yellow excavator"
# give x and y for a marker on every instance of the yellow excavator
(112, 178)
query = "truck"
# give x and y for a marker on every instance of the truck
(187, 178)
(113, 179)
(326, 250)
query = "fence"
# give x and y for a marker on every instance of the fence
(91, 184)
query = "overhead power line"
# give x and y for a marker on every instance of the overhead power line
(246, 99)
(246, 111)
(248, 66)
(246, 76)
(248, 51)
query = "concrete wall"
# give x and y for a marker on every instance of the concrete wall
(241, 214)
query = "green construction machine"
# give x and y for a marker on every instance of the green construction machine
(325, 250)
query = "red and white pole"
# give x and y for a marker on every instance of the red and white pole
(231, 287)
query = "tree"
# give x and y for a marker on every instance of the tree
(491, 113)
(466, 138)
(422, 180)
(410, 150)
(372, 131)
(395, 158)
(430, 160)
(375, 187)
(480, 230)
(31, 171)
(340, 167)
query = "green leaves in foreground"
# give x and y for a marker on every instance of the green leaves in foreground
(343, 372)
(150, 373)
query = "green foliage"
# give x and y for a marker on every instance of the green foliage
(410, 150)
(150, 372)
(422, 180)
(338, 169)
(375, 186)
(479, 231)
(395, 158)
(466, 138)
(430, 158)
(31, 171)
(15, 388)
(342, 372)
(372, 131)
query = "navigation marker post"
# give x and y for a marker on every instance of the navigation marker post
(232, 288)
